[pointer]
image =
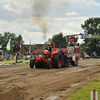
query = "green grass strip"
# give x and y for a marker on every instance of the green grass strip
(11, 61)
(85, 92)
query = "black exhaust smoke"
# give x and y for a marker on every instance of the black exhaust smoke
(41, 9)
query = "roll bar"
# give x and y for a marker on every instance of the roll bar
(50, 42)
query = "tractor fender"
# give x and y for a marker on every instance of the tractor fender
(54, 52)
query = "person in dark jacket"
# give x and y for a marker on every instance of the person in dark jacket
(49, 49)
(71, 44)
(60, 50)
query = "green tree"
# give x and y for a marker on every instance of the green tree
(15, 42)
(35, 48)
(1, 39)
(49, 39)
(92, 26)
(41, 48)
(59, 40)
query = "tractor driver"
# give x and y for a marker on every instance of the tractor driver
(49, 49)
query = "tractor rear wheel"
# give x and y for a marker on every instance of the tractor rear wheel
(49, 63)
(32, 63)
(57, 60)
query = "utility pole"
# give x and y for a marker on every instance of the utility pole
(30, 47)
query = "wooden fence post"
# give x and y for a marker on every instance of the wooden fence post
(93, 94)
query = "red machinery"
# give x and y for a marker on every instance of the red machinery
(59, 57)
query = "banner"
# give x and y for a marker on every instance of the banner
(8, 44)
(20, 44)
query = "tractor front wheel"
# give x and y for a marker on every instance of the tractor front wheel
(49, 63)
(32, 63)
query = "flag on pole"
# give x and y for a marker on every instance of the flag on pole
(8, 44)
(20, 44)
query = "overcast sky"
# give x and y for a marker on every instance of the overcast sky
(31, 18)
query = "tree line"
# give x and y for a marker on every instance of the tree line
(91, 26)
(15, 42)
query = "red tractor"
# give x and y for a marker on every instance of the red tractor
(59, 57)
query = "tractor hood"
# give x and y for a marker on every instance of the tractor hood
(46, 52)
(39, 51)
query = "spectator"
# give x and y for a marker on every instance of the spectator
(71, 44)
(84, 56)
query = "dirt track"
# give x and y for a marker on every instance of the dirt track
(19, 82)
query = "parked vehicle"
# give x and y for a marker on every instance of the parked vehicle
(94, 53)
(86, 55)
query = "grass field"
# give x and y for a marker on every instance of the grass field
(11, 61)
(85, 92)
